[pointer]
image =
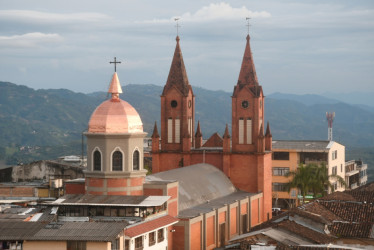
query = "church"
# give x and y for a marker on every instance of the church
(200, 195)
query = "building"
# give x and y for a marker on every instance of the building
(355, 174)
(288, 155)
(201, 196)
(340, 220)
(244, 156)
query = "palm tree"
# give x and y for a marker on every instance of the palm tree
(324, 180)
(312, 178)
(301, 179)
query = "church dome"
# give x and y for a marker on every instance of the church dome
(115, 115)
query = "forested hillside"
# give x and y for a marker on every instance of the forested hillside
(39, 124)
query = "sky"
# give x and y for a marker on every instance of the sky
(299, 47)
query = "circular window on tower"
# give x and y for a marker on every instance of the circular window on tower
(245, 104)
(174, 103)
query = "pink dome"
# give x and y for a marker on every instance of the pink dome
(115, 116)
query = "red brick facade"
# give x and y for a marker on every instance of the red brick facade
(247, 162)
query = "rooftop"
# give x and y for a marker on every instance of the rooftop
(110, 200)
(315, 146)
(83, 231)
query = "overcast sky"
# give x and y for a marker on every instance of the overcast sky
(298, 46)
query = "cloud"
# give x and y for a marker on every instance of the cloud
(219, 11)
(30, 16)
(29, 40)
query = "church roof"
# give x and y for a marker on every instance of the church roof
(115, 115)
(214, 141)
(201, 187)
(177, 74)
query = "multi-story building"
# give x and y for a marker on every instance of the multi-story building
(355, 174)
(288, 155)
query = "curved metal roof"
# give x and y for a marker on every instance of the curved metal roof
(198, 184)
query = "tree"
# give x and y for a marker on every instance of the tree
(323, 181)
(312, 178)
(302, 179)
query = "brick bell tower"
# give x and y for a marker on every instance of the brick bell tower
(249, 167)
(248, 108)
(177, 108)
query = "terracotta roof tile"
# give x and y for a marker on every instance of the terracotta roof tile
(305, 232)
(214, 141)
(360, 230)
(149, 226)
(321, 210)
(351, 211)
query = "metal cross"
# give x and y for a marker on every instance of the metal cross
(115, 64)
(248, 18)
(176, 19)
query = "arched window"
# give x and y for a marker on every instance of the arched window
(117, 161)
(135, 160)
(97, 161)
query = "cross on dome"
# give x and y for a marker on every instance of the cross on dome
(115, 64)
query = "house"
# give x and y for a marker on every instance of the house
(289, 154)
(340, 220)
(355, 174)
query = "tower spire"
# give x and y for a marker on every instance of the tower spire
(247, 75)
(177, 74)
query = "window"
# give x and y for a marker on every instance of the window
(170, 130)
(160, 235)
(139, 242)
(280, 187)
(334, 154)
(283, 156)
(115, 244)
(76, 245)
(334, 170)
(152, 238)
(249, 131)
(177, 130)
(97, 161)
(117, 161)
(127, 244)
(280, 171)
(241, 130)
(341, 167)
(135, 160)
(334, 186)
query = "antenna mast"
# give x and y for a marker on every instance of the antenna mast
(330, 118)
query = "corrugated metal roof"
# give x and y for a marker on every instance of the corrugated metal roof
(302, 145)
(18, 230)
(197, 184)
(82, 231)
(213, 204)
(285, 237)
(202, 187)
(110, 200)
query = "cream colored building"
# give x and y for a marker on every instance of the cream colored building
(288, 155)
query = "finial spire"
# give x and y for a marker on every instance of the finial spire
(115, 64)
(177, 25)
(248, 25)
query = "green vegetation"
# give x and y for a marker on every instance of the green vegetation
(41, 120)
(313, 178)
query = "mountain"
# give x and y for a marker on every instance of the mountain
(359, 98)
(308, 99)
(54, 117)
